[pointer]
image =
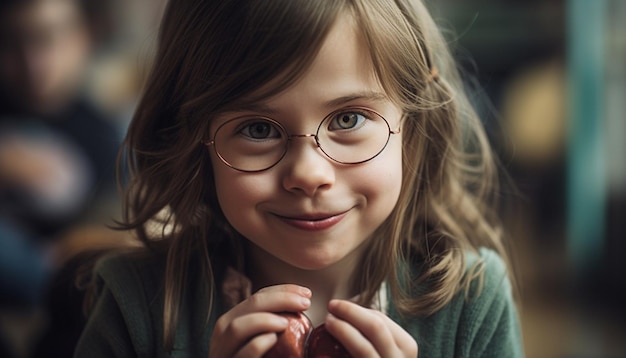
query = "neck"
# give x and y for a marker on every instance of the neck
(333, 282)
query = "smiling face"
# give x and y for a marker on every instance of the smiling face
(309, 211)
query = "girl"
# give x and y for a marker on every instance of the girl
(314, 156)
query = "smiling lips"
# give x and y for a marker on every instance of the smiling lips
(314, 222)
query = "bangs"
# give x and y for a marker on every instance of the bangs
(399, 38)
(251, 50)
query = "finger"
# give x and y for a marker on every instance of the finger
(385, 334)
(350, 337)
(257, 346)
(275, 299)
(301, 290)
(405, 342)
(239, 330)
(253, 316)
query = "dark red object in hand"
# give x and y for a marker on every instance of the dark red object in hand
(300, 340)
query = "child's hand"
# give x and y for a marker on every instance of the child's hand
(249, 329)
(368, 333)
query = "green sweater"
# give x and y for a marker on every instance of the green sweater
(127, 318)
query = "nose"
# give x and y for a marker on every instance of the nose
(307, 169)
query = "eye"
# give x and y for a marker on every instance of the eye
(346, 120)
(259, 129)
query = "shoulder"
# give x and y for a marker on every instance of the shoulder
(488, 272)
(481, 320)
(489, 318)
(135, 280)
(130, 307)
(130, 272)
(489, 286)
(125, 319)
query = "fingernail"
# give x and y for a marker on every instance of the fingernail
(306, 292)
(305, 301)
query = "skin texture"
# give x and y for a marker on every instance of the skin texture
(306, 183)
(308, 219)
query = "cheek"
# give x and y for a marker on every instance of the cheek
(390, 164)
(232, 191)
(238, 195)
(381, 179)
(225, 185)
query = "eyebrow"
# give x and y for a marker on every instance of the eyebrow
(367, 95)
(371, 96)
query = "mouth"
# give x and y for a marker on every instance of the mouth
(313, 222)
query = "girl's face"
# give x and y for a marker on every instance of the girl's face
(309, 211)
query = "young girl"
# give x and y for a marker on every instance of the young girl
(307, 156)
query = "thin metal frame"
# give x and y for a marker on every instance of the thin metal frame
(211, 142)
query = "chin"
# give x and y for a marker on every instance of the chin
(303, 258)
(309, 264)
(315, 261)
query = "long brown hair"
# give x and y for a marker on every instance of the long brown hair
(212, 55)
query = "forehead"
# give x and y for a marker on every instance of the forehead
(341, 71)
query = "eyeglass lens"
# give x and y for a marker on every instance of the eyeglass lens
(349, 136)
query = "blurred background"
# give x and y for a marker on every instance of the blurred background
(70, 74)
(554, 75)
(549, 79)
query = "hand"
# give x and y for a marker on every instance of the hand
(368, 333)
(249, 329)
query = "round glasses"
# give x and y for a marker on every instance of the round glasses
(254, 143)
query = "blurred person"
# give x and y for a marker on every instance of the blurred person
(57, 148)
